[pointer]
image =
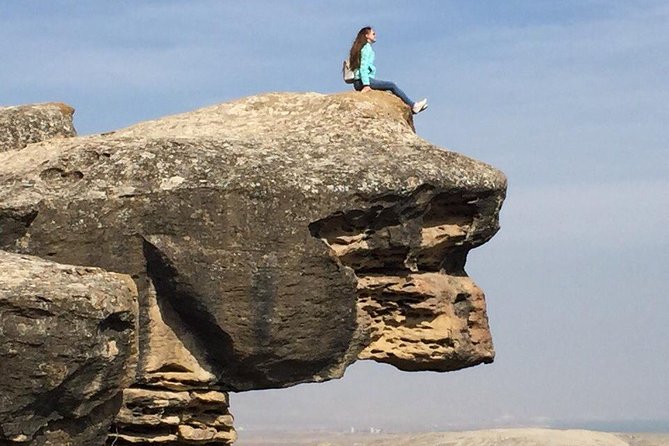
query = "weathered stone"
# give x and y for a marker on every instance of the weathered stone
(67, 348)
(26, 124)
(420, 308)
(176, 393)
(150, 416)
(274, 240)
(430, 320)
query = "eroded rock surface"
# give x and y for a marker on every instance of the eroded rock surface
(414, 298)
(26, 124)
(67, 348)
(173, 417)
(274, 240)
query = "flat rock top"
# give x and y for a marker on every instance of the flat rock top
(349, 143)
(315, 118)
(341, 132)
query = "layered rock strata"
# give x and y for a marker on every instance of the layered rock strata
(26, 124)
(421, 310)
(173, 417)
(67, 349)
(274, 240)
(175, 400)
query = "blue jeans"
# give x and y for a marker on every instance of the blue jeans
(376, 84)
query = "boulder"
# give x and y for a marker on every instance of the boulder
(67, 349)
(274, 240)
(26, 124)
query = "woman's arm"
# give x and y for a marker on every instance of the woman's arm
(366, 57)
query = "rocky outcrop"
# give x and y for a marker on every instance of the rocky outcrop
(26, 124)
(274, 240)
(67, 349)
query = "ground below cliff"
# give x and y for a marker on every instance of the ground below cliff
(496, 437)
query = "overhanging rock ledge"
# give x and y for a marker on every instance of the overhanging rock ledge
(274, 240)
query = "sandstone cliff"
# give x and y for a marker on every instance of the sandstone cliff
(274, 240)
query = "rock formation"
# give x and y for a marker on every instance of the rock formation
(67, 350)
(22, 125)
(274, 240)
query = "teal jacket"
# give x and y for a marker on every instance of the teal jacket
(367, 69)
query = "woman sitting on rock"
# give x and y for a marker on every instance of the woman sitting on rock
(361, 60)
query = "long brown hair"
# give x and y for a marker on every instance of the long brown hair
(358, 43)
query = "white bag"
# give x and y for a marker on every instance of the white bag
(347, 73)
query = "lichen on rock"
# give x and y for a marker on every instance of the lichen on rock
(26, 124)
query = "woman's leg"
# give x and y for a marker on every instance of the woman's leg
(357, 85)
(390, 86)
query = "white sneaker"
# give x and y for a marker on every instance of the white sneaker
(419, 106)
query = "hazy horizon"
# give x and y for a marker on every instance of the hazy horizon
(569, 99)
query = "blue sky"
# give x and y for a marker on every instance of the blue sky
(568, 98)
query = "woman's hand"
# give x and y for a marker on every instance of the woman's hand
(365, 89)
